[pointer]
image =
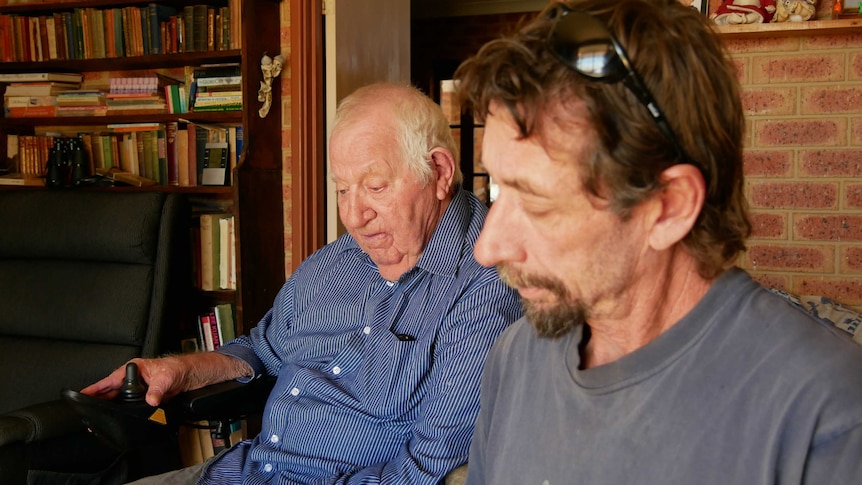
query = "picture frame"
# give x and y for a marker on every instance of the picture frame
(700, 5)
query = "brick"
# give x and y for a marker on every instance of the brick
(768, 225)
(831, 163)
(741, 70)
(855, 66)
(748, 134)
(753, 45)
(850, 259)
(793, 195)
(844, 290)
(830, 99)
(814, 131)
(832, 41)
(769, 101)
(855, 131)
(827, 227)
(819, 259)
(771, 280)
(853, 196)
(797, 68)
(767, 163)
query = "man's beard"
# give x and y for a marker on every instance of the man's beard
(550, 321)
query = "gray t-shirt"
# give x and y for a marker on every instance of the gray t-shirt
(746, 389)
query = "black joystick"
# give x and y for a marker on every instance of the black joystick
(133, 389)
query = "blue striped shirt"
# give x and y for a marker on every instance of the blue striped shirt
(353, 402)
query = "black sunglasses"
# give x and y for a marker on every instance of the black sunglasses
(584, 44)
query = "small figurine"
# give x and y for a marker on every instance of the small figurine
(271, 68)
(794, 10)
(734, 12)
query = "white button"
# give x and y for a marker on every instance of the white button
(273, 438)
(390, 283)
(294, 392)
(366, 330)
(267, 468)
(336, 370)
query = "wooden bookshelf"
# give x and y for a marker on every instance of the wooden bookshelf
(255, 196)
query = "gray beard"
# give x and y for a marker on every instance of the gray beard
(549, 322)
(556, 321)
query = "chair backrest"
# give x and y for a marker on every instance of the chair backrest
(88, 280)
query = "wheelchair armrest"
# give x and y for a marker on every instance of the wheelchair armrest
(225, 401)
(38, 422)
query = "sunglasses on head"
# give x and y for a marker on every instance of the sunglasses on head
(584, 44)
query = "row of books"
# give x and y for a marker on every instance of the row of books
(215, 326)
(84, 103)
(214, 252)
(173, 153)
(45, 95)
(91, 33)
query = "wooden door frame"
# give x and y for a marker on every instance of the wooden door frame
(307, 130)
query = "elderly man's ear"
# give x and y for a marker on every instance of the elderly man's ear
(677, 206)
(443, 164)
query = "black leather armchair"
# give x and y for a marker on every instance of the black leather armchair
(88, 280)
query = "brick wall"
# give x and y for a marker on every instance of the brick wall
(803, 161)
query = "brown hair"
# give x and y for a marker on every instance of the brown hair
(685, 67)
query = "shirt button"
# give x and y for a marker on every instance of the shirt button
(273, 438)
(294, 392)
(336, 370)
(366, 330)
(267, 468)
(390, 283)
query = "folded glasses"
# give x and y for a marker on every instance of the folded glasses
(584, 44)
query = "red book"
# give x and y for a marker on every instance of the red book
(32, 112)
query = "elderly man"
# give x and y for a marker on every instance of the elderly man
(378, 339)
(614, 131)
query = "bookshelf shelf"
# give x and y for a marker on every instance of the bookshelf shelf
(227, 117)
(126, 63)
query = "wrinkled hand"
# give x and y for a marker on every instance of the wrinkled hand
(165, 378)
(168, 376)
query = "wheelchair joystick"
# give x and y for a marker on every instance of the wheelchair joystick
(133, 389)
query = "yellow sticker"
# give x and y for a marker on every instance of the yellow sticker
(159, 416)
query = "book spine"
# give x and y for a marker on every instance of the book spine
(172, 168)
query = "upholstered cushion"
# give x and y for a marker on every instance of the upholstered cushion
(827, 310)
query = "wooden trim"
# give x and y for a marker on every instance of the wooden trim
(307, 129)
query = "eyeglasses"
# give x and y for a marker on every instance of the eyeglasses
(584, 44)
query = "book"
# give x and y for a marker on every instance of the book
(32, 112)
(24, 101)
(225, 255)
(125, 177)
(21, 179)
(206, 332)
(225, 322)
(162, 154)
(183, 168)
(157, 14)
(210, 250)
(172, 154)
(38, 88)
(25, 77)
(206, 82)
